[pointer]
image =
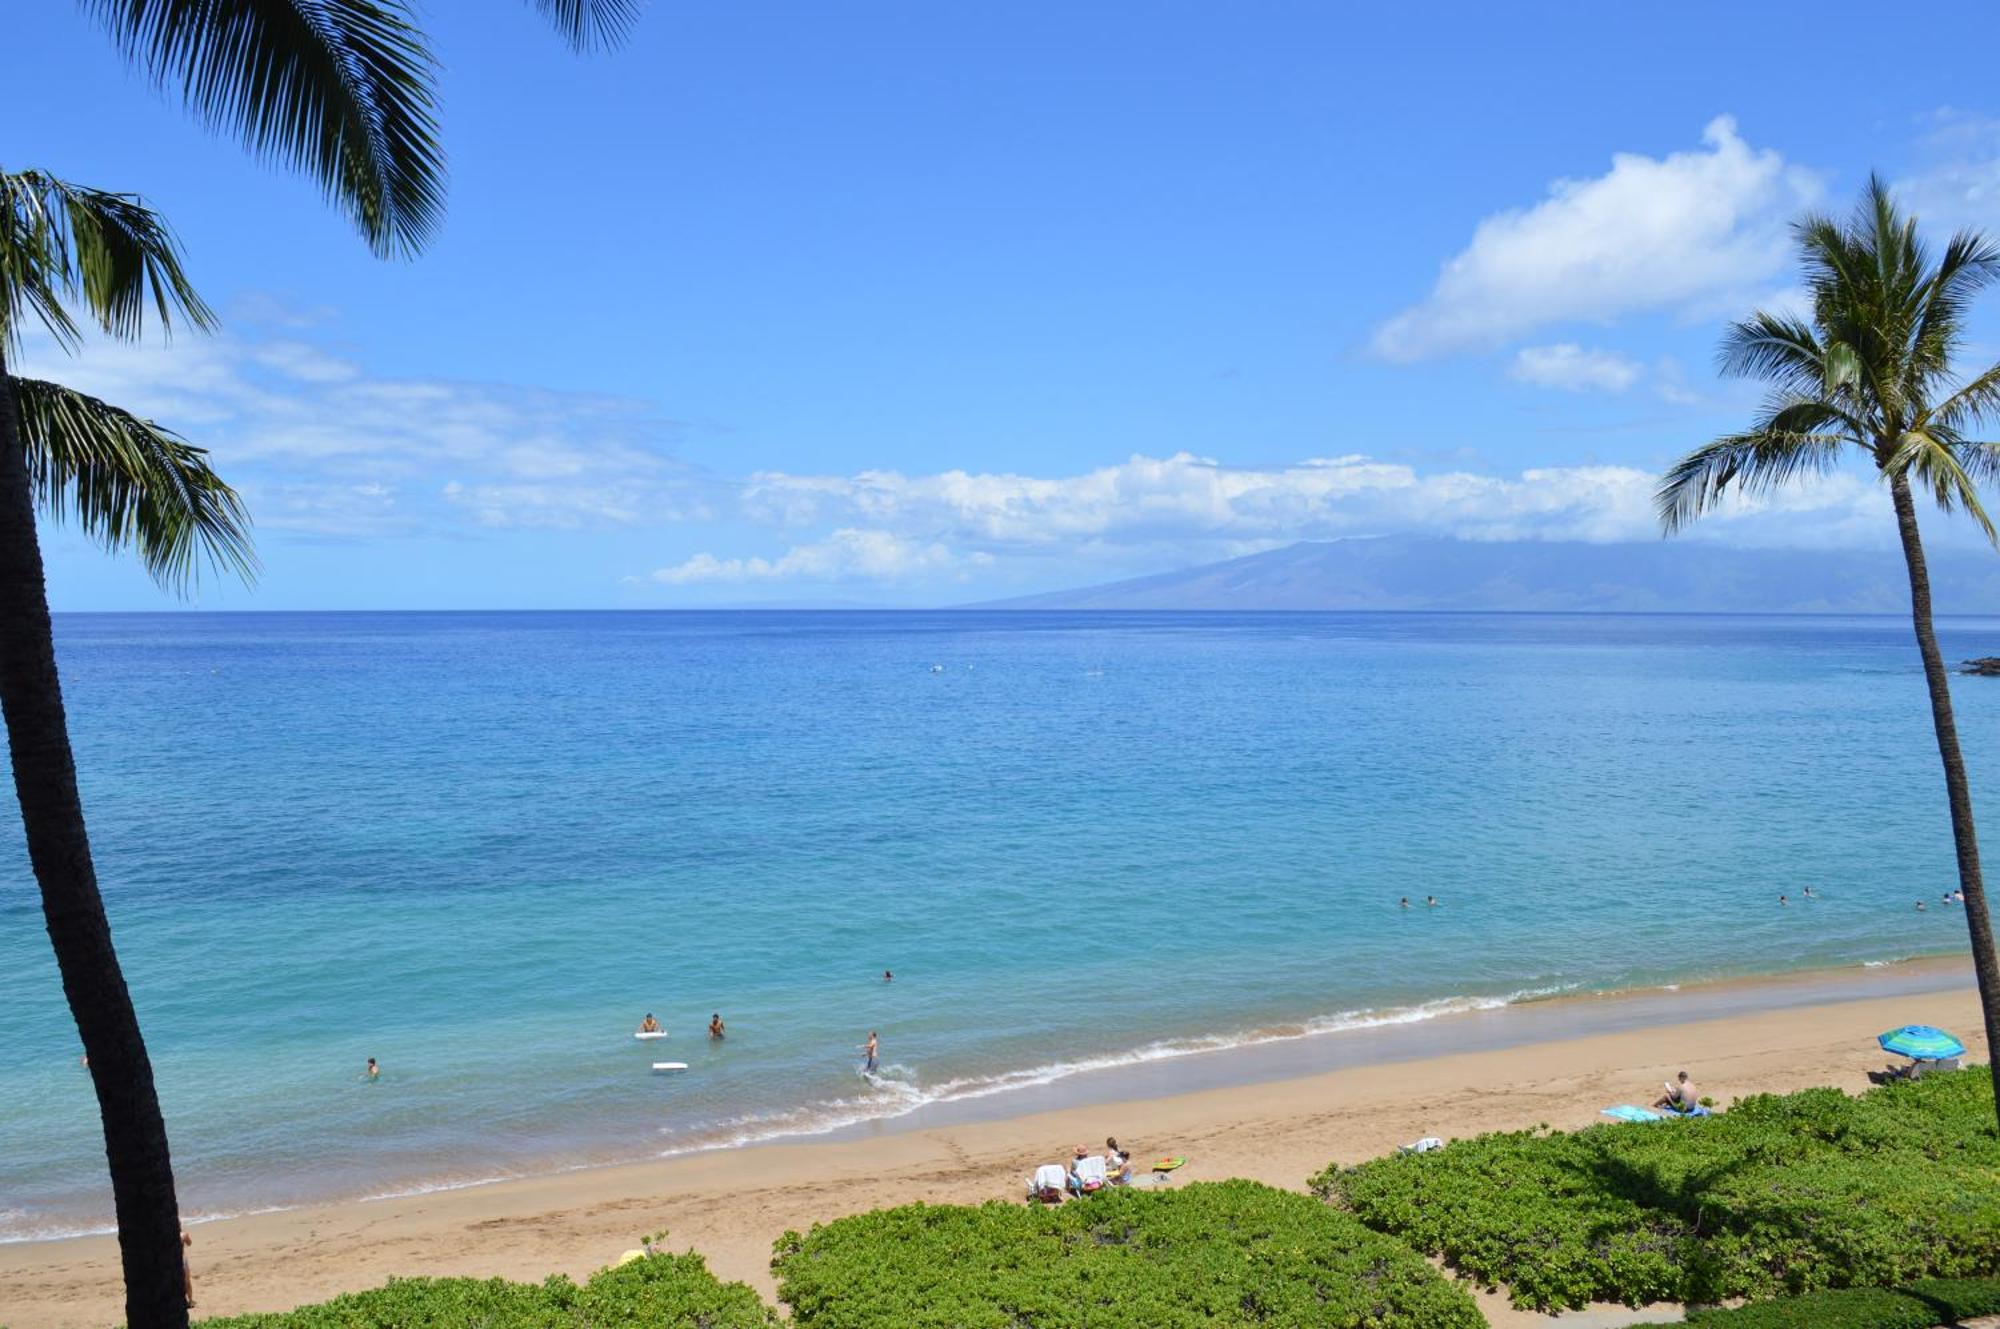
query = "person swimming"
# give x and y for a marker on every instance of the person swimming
(715, 1026)
(1920, 906)
(888, 977)
(870, 1051)
(374, 1071)
(1403, 903)
(1430, 902)
(1782, 902)
(1807, 894)
(649, 1025)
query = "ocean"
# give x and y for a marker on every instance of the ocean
(480, 847)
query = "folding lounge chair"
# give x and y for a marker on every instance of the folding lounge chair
(1090, 1175)
(1048, 1184)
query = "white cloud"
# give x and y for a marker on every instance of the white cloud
(847, 554)
(321, 448)
(1677, 232)
(1959, 181)
(1570, 367)
(1186, 509)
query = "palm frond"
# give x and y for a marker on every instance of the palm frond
(344, 90)
(61, 242)
(1935, 464)
(1969, 263)
(1750, 463)
(1976, 400)
(1770, 346)
(130, 484)
(590, 24)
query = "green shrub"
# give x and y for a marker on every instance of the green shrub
(658, 1292)
(1914, 1306)
(1210, 1253)
(1782, 1194)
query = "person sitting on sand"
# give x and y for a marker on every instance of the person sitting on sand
(1118, 1162)
(1680, 1096)
(715, 1026)
(649, 1025)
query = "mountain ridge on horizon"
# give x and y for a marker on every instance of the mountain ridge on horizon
(1410, 572)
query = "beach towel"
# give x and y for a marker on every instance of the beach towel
(1626, 1112)
(1429, 1144)
(1048, 1177)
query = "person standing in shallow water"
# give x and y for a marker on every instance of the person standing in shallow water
(869, 1052)
(374, 1071)
(715, 1026)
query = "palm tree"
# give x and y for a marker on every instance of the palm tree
(1871, 370)
(131, 485)
(343, 90)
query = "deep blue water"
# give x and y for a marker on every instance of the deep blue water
(480, 846)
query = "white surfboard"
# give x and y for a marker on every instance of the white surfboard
(670, 1065)
(657, 1033)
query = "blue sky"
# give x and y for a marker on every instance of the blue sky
(914, 303)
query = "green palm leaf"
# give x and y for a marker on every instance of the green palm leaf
(60, 243)
(344, 90)
(131, 485)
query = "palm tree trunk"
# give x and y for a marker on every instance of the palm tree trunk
(1964, 834)
(135, 1136)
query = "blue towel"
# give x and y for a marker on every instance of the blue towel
(1626, 1112)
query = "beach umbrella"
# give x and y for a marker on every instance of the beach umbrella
(1920, 1042)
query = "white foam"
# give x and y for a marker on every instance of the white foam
(898, 1094)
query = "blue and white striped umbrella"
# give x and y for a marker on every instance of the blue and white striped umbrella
(1920, 1042)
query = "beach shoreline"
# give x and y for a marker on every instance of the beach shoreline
(1276, 1117)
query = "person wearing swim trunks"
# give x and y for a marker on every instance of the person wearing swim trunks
(715, 1026)
(870, 1050)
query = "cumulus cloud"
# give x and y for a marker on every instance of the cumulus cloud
(1675, 232)
(845, 555)
(1570, 367)
(1187, 508)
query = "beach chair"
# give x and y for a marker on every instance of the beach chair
(1090, 1175)
(1430, 1144)
(1048, 1184)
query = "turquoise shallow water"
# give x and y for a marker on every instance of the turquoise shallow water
(480, 847)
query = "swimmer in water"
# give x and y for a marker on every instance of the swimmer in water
(715, 1026)
(1782, 902)
(1430, 902)
(870, 1051)
(1920, 906)
(374, 1071)
(888, 977)
(1403, 903)
(649, 1025)
(1807, 894)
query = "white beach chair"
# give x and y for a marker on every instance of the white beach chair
(1090, 1175)
(1048, 1184)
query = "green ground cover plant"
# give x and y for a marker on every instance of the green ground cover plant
(1782, 1194)
(1209, 1253)
(1920, 1305)
(659, 1292)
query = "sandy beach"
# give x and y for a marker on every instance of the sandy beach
(731, 1204)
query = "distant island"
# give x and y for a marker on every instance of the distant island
(1428, 573)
